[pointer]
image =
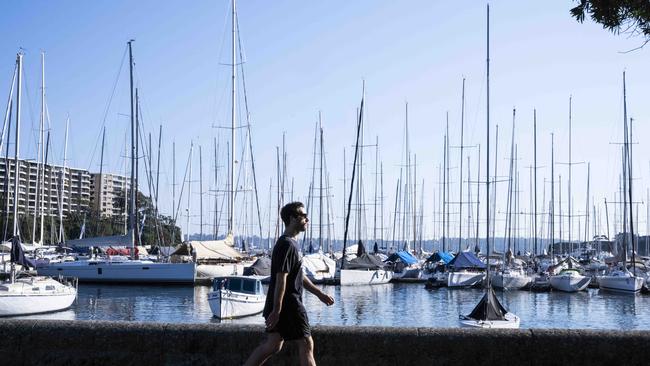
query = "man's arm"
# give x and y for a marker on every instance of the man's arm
(309, 286)
(278, 295)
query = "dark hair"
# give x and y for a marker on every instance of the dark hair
(289, 210)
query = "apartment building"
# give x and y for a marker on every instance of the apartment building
(106, 190)
(75, 193)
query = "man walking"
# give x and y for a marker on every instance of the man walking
(286, 318)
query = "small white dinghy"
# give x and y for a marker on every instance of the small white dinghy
(490, 314)
(236, 296)
(33, 295)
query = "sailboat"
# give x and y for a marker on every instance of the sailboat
(119, 268)
(365, 269)
(620, 279)
(317, 266)
(489, 313)
(32, 294)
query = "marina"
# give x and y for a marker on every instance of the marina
(440, 198)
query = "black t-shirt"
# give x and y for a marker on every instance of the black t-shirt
(286, 258)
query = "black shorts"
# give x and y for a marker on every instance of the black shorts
(293, 324)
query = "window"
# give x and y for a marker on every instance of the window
(249, 286)
(234, 284)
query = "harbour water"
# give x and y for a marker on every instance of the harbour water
(381, 305)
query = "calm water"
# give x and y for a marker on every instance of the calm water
(385, 305)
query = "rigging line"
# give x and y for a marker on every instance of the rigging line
(108, 106)
(219, 55)
(180, 195)
(7, 118)
(248, 124)
(31, 112)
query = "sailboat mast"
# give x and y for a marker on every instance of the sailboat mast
(19, 61)
(478, 195)
(41, 191)
(231, 192)
(487, 158)
(535, 182)
(173, 189)
(101, 178)
(189, 193)
(62, 182)
(552, 191)
(628, 146)
(133, 152)
(200, 193)
(460, 183)
(415, 159)
(569, 198)
(320, 196)
(354, 164)
(374, 232)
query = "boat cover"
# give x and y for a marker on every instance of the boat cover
(261, 267)
(318, 262)
(209, 249)
(18, 254)
(375, 248)
(402, 256)
(489, 308)
(445, 257)
(102, 241)
(364, 261)
(466, 260)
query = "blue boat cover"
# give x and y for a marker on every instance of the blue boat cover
(466, 260)
(404, 256)
(445, 257)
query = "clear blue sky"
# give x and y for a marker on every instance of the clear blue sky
(302, 57)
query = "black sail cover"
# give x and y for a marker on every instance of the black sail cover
(18, 255)
(364, 261)
(261, 267)
(489, 308)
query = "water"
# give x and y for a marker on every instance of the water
(382, 305)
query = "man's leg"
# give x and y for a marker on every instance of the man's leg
(306, 351)
(272, 345)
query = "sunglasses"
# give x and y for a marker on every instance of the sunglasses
(301, 215)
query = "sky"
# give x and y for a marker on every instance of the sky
(301, 58)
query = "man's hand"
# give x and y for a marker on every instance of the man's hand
(325, 298)
(272, 319)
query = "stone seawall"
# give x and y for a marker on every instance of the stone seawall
(71, 343)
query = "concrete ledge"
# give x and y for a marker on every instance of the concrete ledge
(71, 343)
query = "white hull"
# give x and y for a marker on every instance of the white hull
(127, 271)
(464, 278)
(628, 284)
(34, 296)
(226, 304)
(364, 277)
(510, 281)
(219, 270)
(570, 283)
(511, 322)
